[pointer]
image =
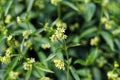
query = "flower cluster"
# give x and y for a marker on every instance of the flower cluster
(28, 44)
(114, 74)
(7, 57)
(116, 31)
(26, 33)
(7, 19)
(3, 30)
(59, 64)
(19, 20)
(108, 23)
(28, 64)
(55, 2)
(101, 61)
(94, 41)
(59, 32)
(13, 75)
(45, 46)
(40, 4)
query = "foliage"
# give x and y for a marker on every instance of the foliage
(59, 39)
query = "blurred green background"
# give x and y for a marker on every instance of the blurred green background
(93, 39)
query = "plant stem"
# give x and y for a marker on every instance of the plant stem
(59, 12)
(68, 64)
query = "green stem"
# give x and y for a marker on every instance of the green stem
(68, 63)
(59, 11)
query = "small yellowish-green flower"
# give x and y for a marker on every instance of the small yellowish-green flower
(108, 25)
(61, 24)
(74, 26)
(9, 37)
(116, 64)
(28, 44)
(45, 78)
(45, 46)
(19, 20)
(26, 33)
(9, 51)
(55, 2)
(105, 2)
(7, 19)
(112, 75)
(46, 26)
(101, 61)
(59, 32)
(104, 19)
(40, 4)
(53, 38)
(4, 30)
(5, 59)
(17, 44)
(116, 31)
(86, 1)
(28, 64)
(13, 75)
(59, 64)
(94, 41)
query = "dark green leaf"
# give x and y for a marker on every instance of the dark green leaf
(108, 38)
(89, 10)
(27, 77)
(41, 67)
(92, 56)
(75, 75)
(88, 32)
(8, 7)
(96, 73)
(71, 5)
(83, 72)
(51, 56)
(80, 61)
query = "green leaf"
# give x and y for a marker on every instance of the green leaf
(117, 42)
(69, 4)
(8, 7)
(17, 32)
(30, 3)
(2, 38)
(51, 56)
(73, 45)
(75, 75)
(89, 10)
(108, 38)
(88, 32)
(37, 73)
(42, 58)
(27, 77)
(83, 72)
(92, 56)
(41, 67)
(80, 61)
(96, 73)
